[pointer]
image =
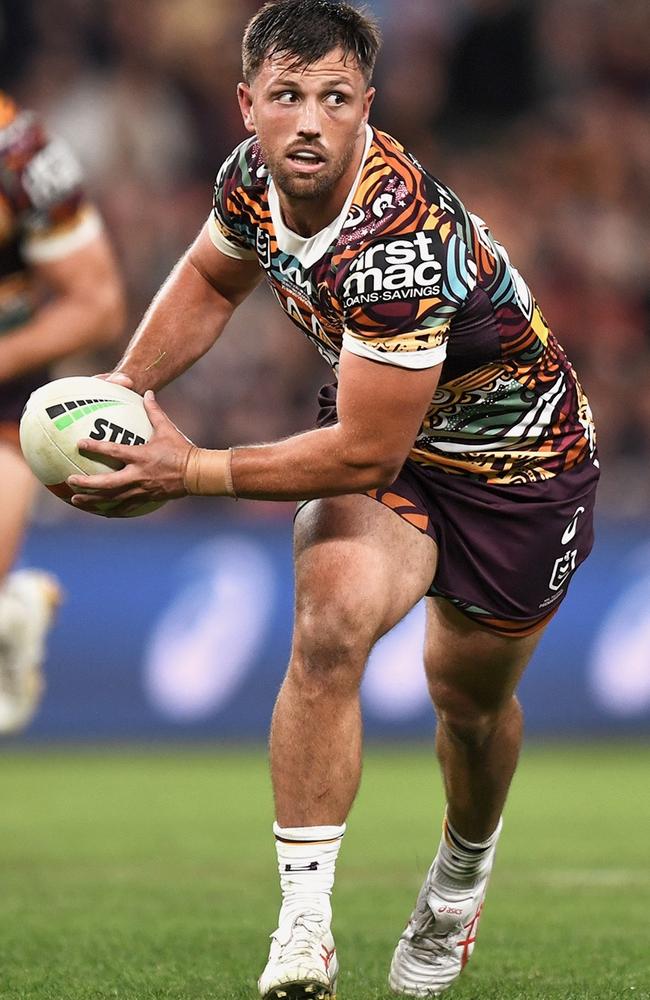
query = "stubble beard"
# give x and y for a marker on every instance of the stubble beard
(310, 188)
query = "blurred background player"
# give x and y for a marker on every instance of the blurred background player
(60, 293)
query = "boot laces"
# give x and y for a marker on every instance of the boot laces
(307, 931)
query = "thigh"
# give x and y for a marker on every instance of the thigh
(466, 663)
(16, 492)
(359, 568)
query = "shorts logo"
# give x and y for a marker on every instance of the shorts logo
(392, 270)
(572, 527)
(564, 567)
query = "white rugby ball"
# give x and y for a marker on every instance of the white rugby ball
(61, 413)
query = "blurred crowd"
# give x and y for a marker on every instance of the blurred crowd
(534, 111)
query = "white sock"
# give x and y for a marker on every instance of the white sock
(12, 611)
(306, 863)
(14, 617)
(462, 863)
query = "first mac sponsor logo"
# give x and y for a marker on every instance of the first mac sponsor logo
(391, 270)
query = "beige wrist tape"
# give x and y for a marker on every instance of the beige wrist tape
(209, 473)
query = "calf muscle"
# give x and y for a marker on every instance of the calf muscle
(472, 675)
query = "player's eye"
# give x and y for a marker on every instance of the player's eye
(286, 97)
(335, 99)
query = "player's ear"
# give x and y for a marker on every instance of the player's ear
(367, 102)
(246, 106)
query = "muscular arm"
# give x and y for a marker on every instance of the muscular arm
(86, 310)
(380, 410)
(187, 315)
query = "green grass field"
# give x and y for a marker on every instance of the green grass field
(138, 875)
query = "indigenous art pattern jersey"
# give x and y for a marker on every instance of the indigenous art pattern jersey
(407, 276)
(43, 213)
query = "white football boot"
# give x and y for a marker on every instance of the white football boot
(439, 937)
(28, 601)
(302, 961)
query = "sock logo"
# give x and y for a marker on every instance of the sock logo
(311, 867)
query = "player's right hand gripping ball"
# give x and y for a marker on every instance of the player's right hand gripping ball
(61, 413)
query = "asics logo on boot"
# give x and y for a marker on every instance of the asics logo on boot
(450, 909)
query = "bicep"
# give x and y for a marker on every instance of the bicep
(89, 270)
(381, 406)
(232, 278)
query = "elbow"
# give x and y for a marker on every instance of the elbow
(370, 463)
(386, 475)
(381, 473)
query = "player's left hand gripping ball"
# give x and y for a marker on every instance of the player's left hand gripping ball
(113, 424)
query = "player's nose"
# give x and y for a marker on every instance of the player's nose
(309, 124)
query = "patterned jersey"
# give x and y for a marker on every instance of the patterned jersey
(407, 276)
(43, 212)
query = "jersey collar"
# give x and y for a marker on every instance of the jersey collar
(309, 249)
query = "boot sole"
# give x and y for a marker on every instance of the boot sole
(300, 991)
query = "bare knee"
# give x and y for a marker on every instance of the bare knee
(330, 648)
(466, 720)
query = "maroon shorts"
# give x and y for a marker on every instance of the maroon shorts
(506, 554)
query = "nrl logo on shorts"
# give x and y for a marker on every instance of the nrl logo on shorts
(391, 270)
(564, 567)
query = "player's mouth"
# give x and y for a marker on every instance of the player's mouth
(305, 160)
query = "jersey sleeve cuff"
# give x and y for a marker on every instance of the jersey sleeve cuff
(224, 246)
(416, 360)
(56, 244)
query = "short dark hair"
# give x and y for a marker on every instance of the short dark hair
(309, 30)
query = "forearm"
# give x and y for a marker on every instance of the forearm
(184, 320)
(380, 409)
(61, 327)
(318, 463)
